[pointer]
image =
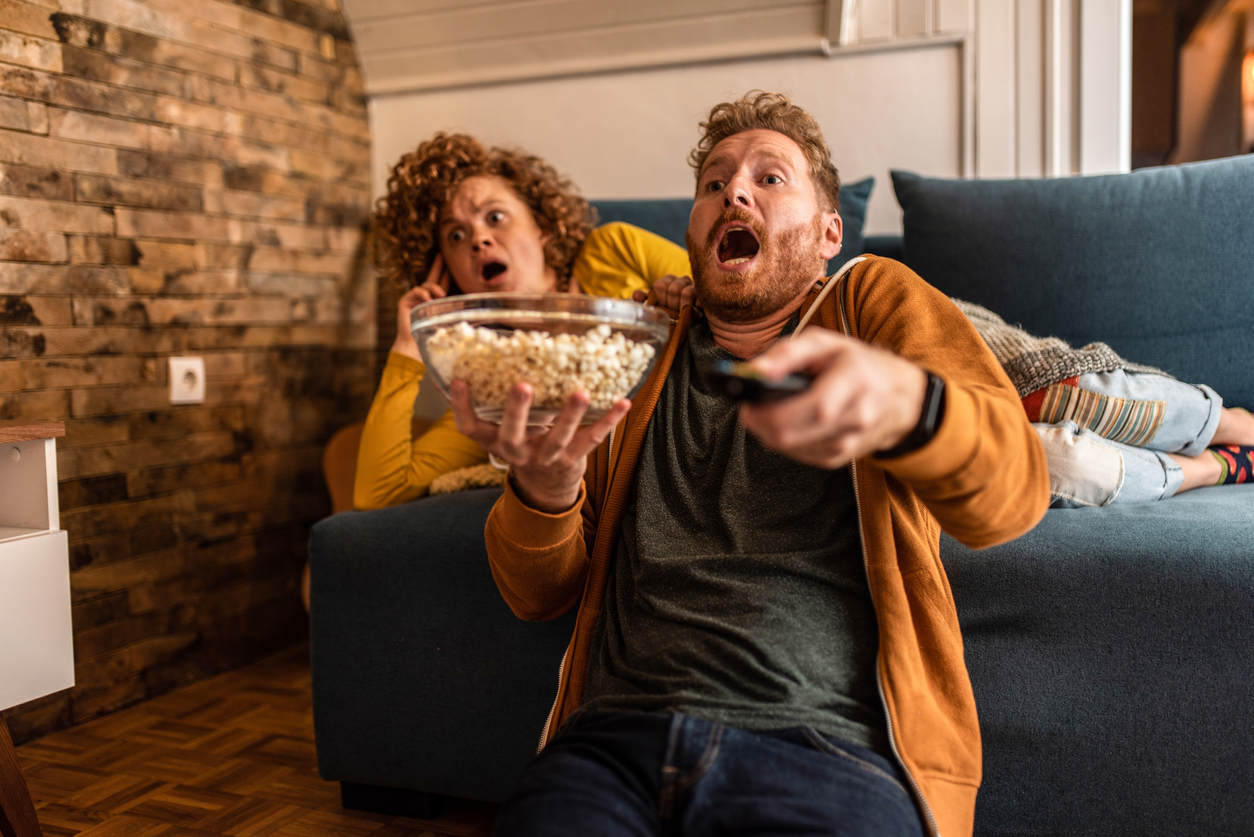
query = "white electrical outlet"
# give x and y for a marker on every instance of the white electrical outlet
(187, 380)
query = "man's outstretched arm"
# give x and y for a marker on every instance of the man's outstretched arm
(983, 474)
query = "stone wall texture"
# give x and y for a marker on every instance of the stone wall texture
(181, 178)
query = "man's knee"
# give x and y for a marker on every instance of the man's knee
(594, 777)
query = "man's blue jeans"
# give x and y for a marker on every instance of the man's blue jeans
(632, 773)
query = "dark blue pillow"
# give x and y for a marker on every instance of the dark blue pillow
(1158, 263)
(668, 217)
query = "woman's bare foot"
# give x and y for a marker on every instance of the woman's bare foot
(1198, 471)
(1236, 427)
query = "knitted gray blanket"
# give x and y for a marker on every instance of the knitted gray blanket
(1036, 362)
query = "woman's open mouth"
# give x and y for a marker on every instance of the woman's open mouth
(738, 246)
(491, 270)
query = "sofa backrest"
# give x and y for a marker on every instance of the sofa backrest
(1158, 263)
(668, 217)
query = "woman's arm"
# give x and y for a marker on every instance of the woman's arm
(617, 259)
(393, 467)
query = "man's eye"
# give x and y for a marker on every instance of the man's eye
(714, 185)
(456, 236)
(496, 216)
(772, 179)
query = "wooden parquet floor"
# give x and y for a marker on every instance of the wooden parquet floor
(232, 755)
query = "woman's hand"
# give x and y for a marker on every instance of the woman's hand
(669, 292)
(546, 464)
(435, 287)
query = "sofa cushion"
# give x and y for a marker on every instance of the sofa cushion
(669, 217)
(1158, 263)
(1109, 651)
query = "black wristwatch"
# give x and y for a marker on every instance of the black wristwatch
(929, 420)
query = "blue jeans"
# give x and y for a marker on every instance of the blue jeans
(1087, 470)
(635, 773)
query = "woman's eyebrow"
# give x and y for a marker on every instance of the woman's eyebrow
(490, 203)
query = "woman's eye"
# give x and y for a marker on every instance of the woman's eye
(455, 236)
(496, 216)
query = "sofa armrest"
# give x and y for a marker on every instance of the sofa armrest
(422, 677)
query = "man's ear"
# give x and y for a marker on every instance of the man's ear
(833, 234)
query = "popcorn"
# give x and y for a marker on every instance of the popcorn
(485, 475)
(601, 362)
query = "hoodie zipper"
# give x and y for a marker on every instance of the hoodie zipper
(879, 682)
(544, 733)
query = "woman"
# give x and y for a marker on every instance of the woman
(466, 218)
(1114, 431)
(473, 219)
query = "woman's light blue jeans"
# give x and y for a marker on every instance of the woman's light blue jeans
(1088, 470)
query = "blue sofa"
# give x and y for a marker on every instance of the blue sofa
(1111, 649)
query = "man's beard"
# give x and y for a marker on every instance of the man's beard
(786, 263)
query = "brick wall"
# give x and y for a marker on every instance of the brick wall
(181, 178)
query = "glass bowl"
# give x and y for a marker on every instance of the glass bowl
(558, 343)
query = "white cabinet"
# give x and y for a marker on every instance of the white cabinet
(36, 637)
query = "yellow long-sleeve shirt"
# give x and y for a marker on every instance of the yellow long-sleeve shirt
(394, 468)
(619, 259)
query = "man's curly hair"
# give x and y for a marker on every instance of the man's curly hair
(772, 112)
(406, 220)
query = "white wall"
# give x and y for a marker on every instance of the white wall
(628, 134)
(1002, 88)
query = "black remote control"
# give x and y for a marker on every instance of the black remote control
(743, 383)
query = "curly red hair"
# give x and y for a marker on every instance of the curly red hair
(406, 219)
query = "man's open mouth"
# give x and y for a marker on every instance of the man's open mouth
(491, 270)
(737, 246)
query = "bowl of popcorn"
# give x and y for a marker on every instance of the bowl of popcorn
(557, 343)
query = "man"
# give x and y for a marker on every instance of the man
(766, 642)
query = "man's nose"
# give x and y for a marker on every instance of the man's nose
(737, 192)
(481, 241)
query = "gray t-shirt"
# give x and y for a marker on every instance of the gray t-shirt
(738, 592)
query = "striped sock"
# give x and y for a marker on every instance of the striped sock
(1236, 463)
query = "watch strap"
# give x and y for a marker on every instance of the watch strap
(929, 420)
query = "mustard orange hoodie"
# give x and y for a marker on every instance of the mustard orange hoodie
(982, 478)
